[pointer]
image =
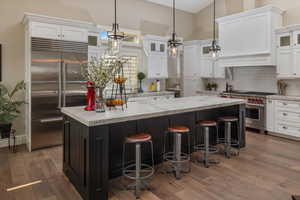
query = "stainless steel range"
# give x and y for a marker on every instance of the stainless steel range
(255, 107)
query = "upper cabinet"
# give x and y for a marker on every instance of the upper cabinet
(70, 33)
(288, 51)
(43, 30)
(198, 61)
(248, 38)
(192, 61)
(155, 57)
(57, 28)
(58, 32)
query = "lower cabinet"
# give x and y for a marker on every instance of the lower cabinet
(283, 117)
(84, 147)
(270, 116)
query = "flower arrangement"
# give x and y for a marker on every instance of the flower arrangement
(102, 71)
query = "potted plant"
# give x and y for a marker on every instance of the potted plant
(9, 107)
(141, 76)
(214, 86)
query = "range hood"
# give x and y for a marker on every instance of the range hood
(248, 38)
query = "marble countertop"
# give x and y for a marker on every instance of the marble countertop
(149, 94)
(148, 109)
(207, 92)
(285, 98)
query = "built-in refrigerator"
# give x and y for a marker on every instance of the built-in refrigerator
(56, 82)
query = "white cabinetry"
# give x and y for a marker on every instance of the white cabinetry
(270, 115)
(70, 33)
(248, 38)
(43, 30)
(58, 32)
(157, 66)
(192, 61)
(156, 57)
(198, 61)
(210, 67)
(283, 117)
(288, 52)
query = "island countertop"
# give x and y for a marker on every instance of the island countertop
(149, 109)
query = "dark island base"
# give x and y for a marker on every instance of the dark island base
(93, 155)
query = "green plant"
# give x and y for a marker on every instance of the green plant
(9, 106)
(141, 76)
(214, 86)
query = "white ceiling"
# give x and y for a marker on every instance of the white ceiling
(192, 6)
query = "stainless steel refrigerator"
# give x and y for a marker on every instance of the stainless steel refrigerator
(56, 82)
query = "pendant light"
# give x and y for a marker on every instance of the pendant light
(173, 43)
(215, 48)
(115, 36)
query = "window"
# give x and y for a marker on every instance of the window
(131, 71)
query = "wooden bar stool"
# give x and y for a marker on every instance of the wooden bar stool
(227, 140)
(207, 148)
(138, 171)
(177, 157)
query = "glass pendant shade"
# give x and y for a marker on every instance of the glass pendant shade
(215, 48)
(114, 46)
(174, 43)
(115, 37)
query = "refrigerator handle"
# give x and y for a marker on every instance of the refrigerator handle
(64, 83)
(59, 85)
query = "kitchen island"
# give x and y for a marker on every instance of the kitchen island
(92, 152)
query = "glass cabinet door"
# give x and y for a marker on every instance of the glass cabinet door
(162, 47)
(284, 40)
(205, 51)
(153, 46)
(296, 38)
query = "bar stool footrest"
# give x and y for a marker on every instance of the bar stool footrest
(170, 157)
(233, 142)
(201, 148)
(148, 170)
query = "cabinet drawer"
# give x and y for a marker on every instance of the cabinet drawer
(289, 105)
(288, 116)
(287, 129)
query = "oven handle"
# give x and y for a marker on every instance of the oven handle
(254, 105)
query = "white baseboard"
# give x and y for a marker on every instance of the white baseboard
(20, 139)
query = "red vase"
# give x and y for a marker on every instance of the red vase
(90, 96)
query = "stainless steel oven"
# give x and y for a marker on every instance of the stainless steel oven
(255, 116)
(255, 107)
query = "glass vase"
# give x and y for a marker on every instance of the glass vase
(100, 101)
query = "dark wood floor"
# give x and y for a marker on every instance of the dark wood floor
(268, 169)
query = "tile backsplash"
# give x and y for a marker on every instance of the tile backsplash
(260, 79)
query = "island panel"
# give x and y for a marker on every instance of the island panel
(93, 155)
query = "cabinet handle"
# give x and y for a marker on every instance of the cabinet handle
(284, 114)
(284, 127)
(284, 104)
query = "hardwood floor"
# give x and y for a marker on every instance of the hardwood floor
(267, 169)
